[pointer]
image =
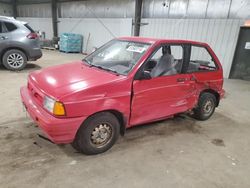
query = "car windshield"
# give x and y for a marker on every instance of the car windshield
(117, 56)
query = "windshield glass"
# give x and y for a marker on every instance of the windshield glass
(117, 56)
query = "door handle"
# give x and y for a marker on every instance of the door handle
(3, 37)
(181, 79)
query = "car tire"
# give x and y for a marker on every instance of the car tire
(14, 60)
(206, 106)
(97, 134)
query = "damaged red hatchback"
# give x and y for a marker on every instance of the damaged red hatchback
(126, 82)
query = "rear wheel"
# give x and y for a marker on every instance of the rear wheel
(206, 106)
(97, 134)
(14, 60)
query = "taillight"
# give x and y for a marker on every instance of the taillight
(32, 36)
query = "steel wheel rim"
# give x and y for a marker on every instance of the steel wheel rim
(15, 60)
(101, 135)
(208, 107)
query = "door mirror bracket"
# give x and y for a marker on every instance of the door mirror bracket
(145, 75)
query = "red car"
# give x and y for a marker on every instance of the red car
(126, 82)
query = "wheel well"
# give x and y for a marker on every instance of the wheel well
(12, 48)
(122, 120)
(215, 93)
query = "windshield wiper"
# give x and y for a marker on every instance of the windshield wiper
(100, 67)
(87, 61)
(106, 69)
(114, 71)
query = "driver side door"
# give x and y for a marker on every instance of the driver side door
(159, 97)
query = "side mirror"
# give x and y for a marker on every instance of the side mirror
(151, 64)
(145, 75)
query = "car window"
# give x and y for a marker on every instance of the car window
(9, 26)
(1, 30)
(167, 60)
(200, 60)
(118, 56)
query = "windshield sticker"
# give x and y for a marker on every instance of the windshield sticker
(137, 49)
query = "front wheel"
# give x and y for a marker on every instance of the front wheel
(97, 134)
(206, 106)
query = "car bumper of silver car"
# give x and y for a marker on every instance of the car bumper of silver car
(35, 54)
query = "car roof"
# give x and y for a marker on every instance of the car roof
(158, 40)
(6, 18)
(11, 19)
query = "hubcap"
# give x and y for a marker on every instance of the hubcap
(101, 135)
(208, 107)
(15, 60)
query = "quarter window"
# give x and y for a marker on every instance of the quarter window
(200, 60)
(10, 26)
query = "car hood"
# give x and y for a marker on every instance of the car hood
(58, 81)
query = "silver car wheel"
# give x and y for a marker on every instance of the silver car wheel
(208, 107)
(101, 135)
(15, 60)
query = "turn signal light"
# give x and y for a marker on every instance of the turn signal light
(58, 109)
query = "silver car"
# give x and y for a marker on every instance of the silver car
(18, 43)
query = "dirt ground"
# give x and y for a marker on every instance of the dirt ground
(178, 152)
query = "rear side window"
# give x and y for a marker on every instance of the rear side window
(200, 60)
(10, 26)
(1, 30)
(29, 28)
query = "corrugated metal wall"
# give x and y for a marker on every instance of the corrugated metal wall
(34, 10)
(220, 34)
(96, 8)
(100, 30)
(151, 9)
(5, 9)
(196, 9)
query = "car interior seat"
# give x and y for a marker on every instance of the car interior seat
(165, 65)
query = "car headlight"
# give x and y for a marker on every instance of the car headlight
(55, 107)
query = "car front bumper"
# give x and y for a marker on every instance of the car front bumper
(58, 130)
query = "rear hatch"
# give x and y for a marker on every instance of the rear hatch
(33, 36)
